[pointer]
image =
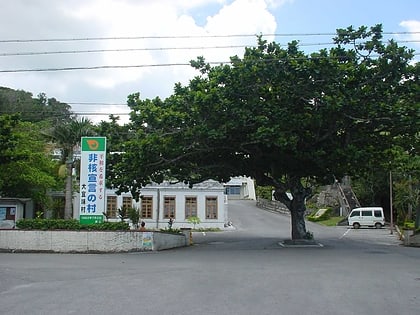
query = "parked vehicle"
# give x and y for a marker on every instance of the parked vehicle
(367, 216)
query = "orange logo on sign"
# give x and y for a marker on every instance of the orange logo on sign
(93, 144)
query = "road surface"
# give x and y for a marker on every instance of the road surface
(242, 270)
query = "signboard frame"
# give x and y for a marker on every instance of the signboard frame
(92, 180)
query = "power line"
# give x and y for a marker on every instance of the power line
(36, 53)
(160, 65)
(95, 103)
(93, 67)
(102, 114)
(116, 50)
(181, 37)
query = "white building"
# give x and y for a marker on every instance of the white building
(13, 209)
(158, 203)
(240, 187)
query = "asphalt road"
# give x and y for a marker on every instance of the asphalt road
(243, 270)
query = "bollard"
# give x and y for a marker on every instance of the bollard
(188, 233)
(407, 237)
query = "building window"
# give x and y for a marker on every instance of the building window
(7, 213)
(146, 207)
(190, 207)
(111, 206)
(127, 203)
(233, 190)
(211, 207)
(169, 207)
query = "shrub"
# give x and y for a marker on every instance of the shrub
(265, 192)
(171, 231)
(325, 216)
(134, 216)
(409, 225)
(72, 225)
(194, 220)
(309, 235)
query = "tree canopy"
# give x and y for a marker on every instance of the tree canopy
(26, 169)
(281, 116)
(33, 109)
(26, 166)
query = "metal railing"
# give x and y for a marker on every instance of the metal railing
(272, 205)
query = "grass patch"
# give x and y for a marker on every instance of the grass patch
(332, 221)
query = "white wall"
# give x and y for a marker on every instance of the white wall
(88, 241)
(179, 191)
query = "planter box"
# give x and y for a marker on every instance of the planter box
(88, 241)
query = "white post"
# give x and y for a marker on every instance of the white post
(390, 202)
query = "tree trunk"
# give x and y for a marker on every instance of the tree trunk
(68, 206)
(297, 212)
(296, 205)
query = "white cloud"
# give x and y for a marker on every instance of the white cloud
(413, 27)
(123, 18)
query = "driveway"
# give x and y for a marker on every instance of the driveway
(241, 271)
(257, 228)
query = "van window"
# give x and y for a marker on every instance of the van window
(366, 213)
(355, 214)
(378, 213)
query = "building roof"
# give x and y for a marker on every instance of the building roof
(207, 184)
(11, 199)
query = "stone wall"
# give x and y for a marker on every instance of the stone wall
(272, 205)
(88, 241)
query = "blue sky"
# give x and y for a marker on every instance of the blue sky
(45, 19)
(327, 15)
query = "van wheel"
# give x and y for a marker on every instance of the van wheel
(356, 225)
(378, 225)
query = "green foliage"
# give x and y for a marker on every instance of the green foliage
(309, 235)
(332, 221)
(207, 230)
(265, 192)
(134, 216)
(171, 231)
(26, 170)
(39, 214)
(280, 116)
(33, 109)
(108, 226)
(74, 225)
(325, 216)
(48, 224)
(194, 220)
(408, 225)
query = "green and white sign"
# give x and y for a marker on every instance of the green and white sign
(92, 180)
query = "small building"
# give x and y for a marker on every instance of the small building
(240, 187)
(160, 202)
(13, 209)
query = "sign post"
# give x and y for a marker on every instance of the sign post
(92, 180)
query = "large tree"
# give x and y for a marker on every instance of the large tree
(33, 109)
(26, 168)
(285, 118)
(116, 135)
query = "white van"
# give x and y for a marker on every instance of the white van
(367, 216)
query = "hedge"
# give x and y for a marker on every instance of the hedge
(74, 225)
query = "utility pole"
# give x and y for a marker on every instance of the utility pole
(390, 202)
